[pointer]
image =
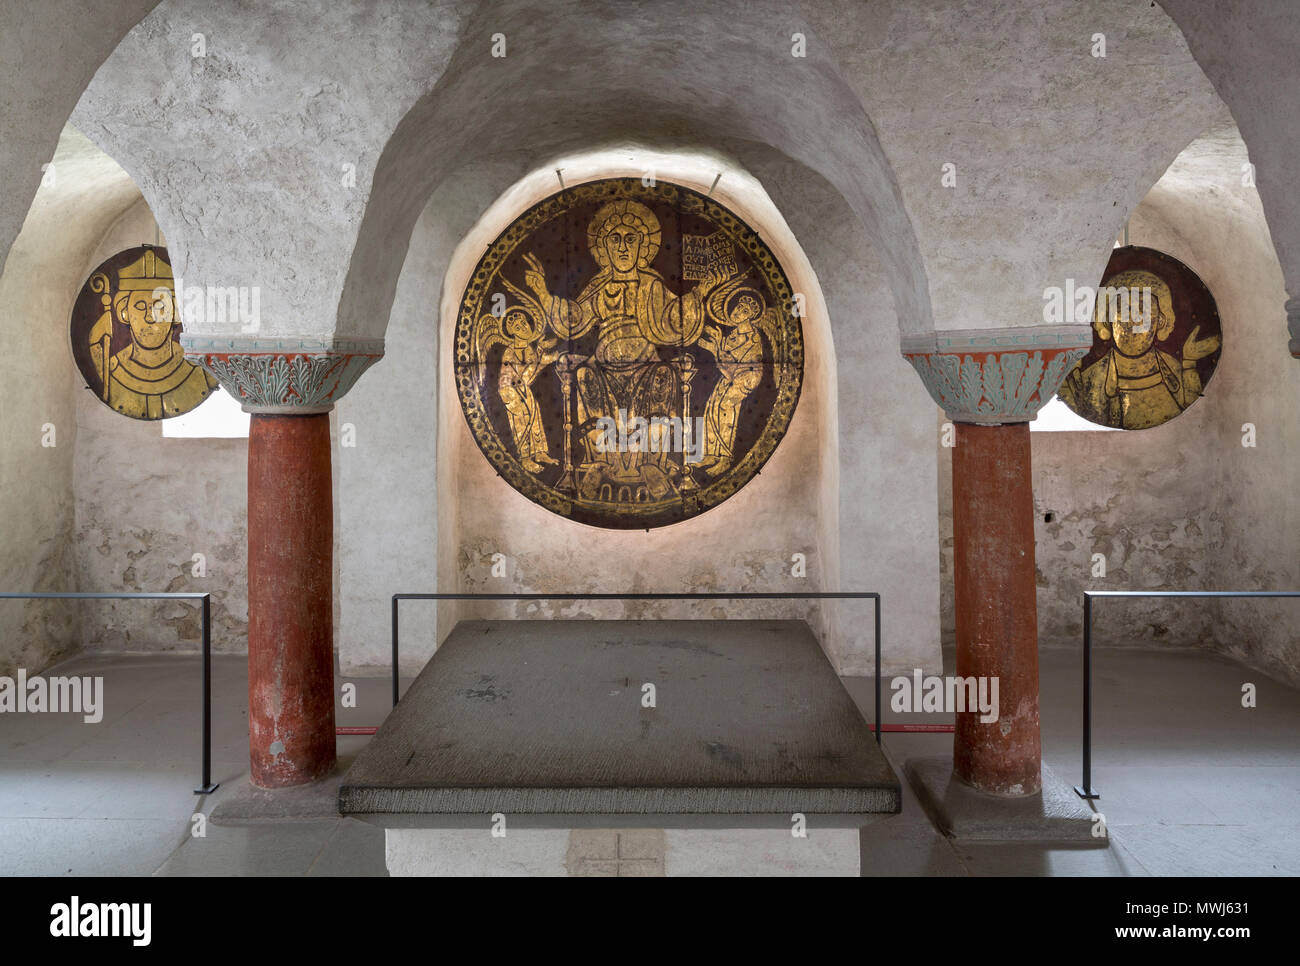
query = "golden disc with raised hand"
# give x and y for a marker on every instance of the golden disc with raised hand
(1156, 343)
(628, 356)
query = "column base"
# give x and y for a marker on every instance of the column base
(1053, 814)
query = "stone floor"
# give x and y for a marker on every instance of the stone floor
(1192, 783)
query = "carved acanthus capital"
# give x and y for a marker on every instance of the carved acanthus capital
(995, 376)
(288, 376)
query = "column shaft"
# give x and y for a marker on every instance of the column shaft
(290, 599)
(996, 610)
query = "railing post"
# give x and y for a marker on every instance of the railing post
(1085, 790)
(879, 723)
(395, 677)
(205, 785)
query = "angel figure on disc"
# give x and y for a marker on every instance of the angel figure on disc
(521, 329)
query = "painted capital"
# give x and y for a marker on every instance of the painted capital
(995, 376)
(287, 376)
(1293, 325)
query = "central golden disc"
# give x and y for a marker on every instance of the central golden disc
(628, 356)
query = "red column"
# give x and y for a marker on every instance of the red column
(290, 599)
(996, 609)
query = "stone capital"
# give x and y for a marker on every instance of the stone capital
(996, 376)
(286, 376)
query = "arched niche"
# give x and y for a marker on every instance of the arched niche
(862, 439)
(744, 544)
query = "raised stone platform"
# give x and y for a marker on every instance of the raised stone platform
(623, 852)
(547, 718)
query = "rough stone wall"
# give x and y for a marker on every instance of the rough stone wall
(145, 504)
(1184, 506)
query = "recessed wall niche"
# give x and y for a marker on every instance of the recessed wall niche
(628, 355)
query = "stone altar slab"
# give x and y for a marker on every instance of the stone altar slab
(549, 718)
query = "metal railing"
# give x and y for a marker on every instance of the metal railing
(206, 787)
(1086, 790)
(828, 595)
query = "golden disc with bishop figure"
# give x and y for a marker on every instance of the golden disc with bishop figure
(125, 333)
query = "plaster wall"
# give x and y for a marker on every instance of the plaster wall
(1050, 138)
(243, 151)
(743, 544)
(1247, 49)
(48, 53)
(386, 486)
(386, 497)
(257, 155)
(40, 279)
(887, 530)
